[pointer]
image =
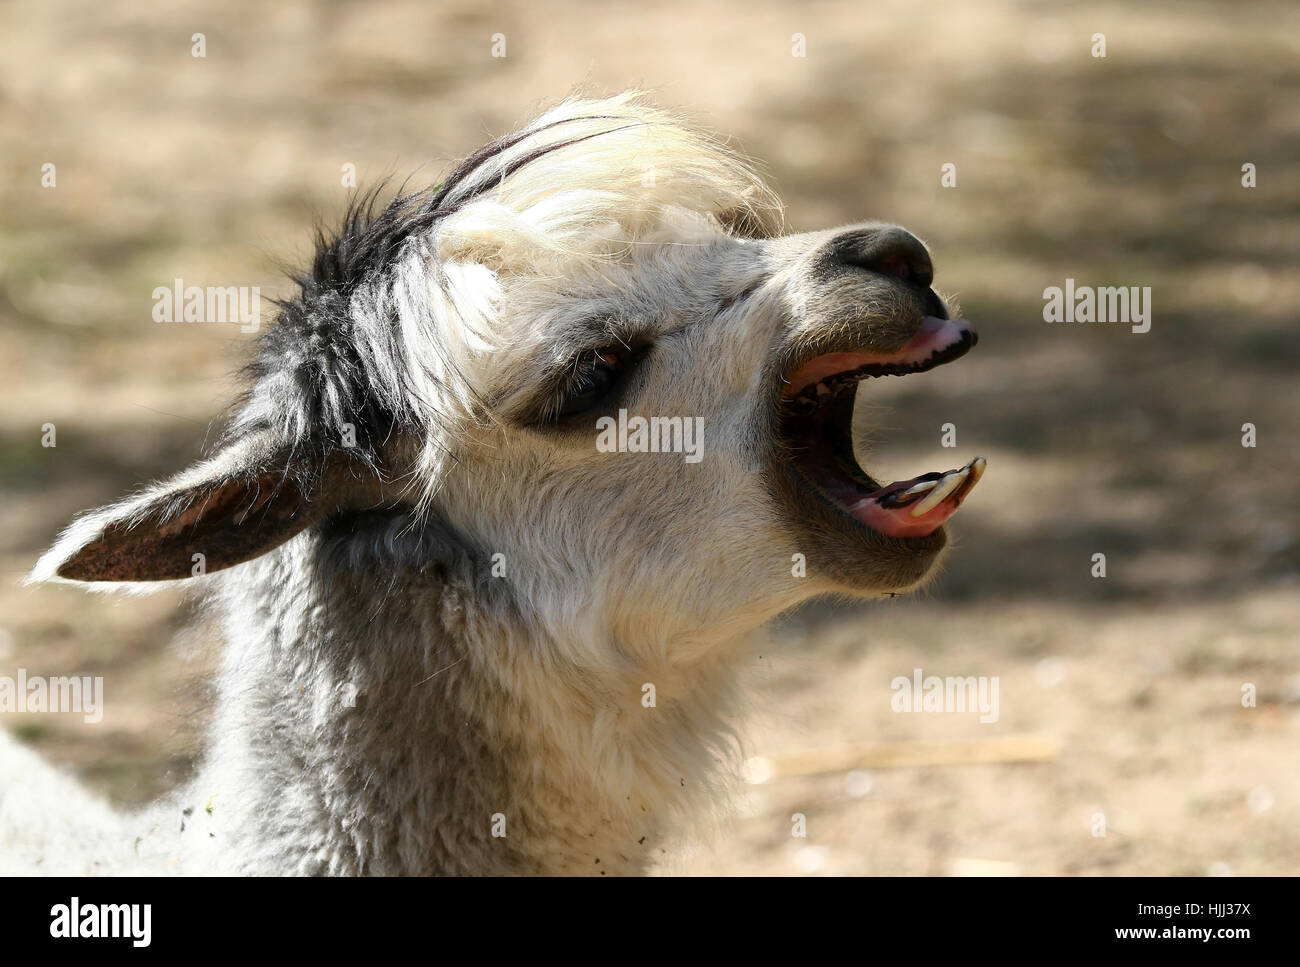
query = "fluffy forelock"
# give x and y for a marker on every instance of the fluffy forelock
(400, 312)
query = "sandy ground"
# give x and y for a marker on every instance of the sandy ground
(1117, 171)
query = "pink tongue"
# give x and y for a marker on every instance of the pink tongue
(935, 335)
(898, 521)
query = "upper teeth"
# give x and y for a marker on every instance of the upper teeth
(943, 488)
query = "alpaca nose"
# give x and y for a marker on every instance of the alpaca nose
(890, 251)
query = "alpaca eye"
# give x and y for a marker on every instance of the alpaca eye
(591, 380)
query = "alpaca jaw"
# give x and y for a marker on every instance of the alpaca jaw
(898, 524)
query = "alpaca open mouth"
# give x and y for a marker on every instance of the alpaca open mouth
(817, 421)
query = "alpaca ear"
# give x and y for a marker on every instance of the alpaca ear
(229, 509)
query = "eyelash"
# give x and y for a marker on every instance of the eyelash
(591, 377)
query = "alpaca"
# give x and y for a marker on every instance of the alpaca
(461, 636)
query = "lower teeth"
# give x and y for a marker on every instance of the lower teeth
(927, 494)
(944, 488)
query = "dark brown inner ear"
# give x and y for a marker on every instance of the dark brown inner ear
(228, 524)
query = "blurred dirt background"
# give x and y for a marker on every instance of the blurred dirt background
(1117, 171)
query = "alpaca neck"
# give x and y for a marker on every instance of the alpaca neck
(411, 727)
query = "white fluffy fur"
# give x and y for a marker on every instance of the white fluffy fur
(383, 694)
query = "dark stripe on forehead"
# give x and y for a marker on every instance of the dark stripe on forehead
(500, 146)
(327, 380)
(526, 159)
(366, 243)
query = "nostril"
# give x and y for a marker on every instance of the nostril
(895, 265)
(891, 251)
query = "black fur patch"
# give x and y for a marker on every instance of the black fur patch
(311, 340)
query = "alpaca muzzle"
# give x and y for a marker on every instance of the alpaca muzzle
(816, 427)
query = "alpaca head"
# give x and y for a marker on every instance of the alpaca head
(593, 355)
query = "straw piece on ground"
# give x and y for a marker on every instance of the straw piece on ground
(880, 755)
